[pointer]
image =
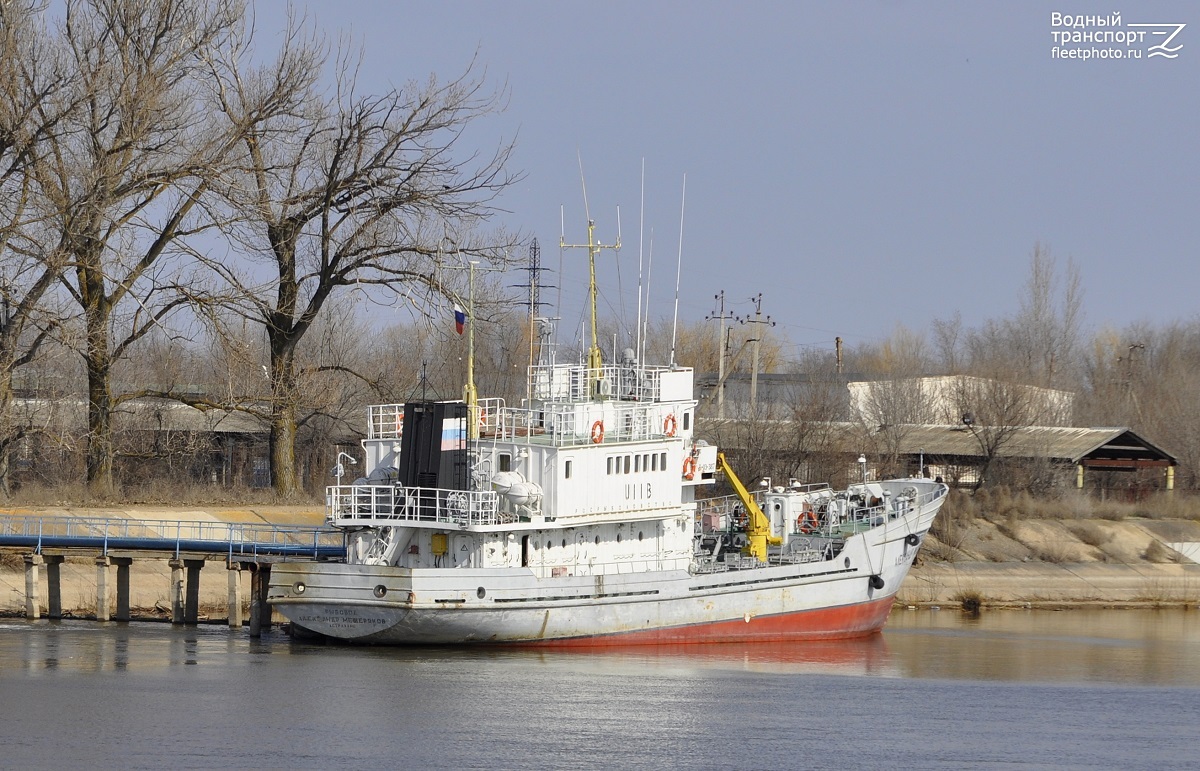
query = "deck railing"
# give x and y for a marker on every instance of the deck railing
(376, 505)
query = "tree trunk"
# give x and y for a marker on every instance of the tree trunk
(283, 417)
(99, 439)
(9, 431)
(283, 450)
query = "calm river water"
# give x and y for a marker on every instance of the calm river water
(1085, 689)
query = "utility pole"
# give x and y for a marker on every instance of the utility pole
(756, 339)
(722, 349)
(539, 327)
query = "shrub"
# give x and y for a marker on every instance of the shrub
(970, 599)
(1156, 552)
(1091, 533)
(1055, 552)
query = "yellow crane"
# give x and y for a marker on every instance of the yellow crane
(758, 529)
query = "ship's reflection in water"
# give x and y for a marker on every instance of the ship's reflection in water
(859, 656)
(1144, 647)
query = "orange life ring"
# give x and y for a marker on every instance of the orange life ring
(807, 522)
(598, 432)
(689, 467)
(669, 425)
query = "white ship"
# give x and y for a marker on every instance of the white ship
(578, 518)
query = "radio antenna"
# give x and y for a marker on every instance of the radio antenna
(678, 269)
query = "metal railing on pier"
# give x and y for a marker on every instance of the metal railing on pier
(231, 538)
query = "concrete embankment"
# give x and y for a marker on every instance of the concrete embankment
(149, 579)
(1057, 563)
(1039, 563)
(1042, 585)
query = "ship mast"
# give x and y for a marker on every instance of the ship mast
(595, 362)
(470, 394)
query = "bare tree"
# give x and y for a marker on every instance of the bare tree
(127, 174)
(1045, 333)
(888, 406)
(1149, 379)
(32, 113)
(338, 191)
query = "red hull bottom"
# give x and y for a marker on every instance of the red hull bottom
(840, 623)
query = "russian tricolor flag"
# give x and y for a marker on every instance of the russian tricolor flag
(460, 319)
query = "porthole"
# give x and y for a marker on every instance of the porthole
(847, 562)
(298, 587)
(778, 506)
(618, 537)
(549, 544)
(380, 591)
(564, 543)
(639, 535)
(597, 540)
(481, 592)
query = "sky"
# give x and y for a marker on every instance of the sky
(862, 165)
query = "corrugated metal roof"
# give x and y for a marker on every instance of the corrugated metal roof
(1054, 442)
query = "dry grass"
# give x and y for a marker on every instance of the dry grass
(1001, 504)
(1090, 533)
(1054, 552)
(1158, 553)
(11, 560)
(970, 599)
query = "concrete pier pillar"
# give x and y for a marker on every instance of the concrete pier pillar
(122, 564)
(176, 591)
(260, 611)
(191, 608)
(33, 590)
(54, 585)
(235, 595)
(102, 612)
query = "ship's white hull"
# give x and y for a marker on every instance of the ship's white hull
(847, 596)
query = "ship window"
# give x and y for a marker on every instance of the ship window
(610, 460)
(549, 545)
(687, 420)
(626, 464)
(646, 462)
(567, 470)
(505, 462)
(654, 462)
(637, 462)
(662, 461)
